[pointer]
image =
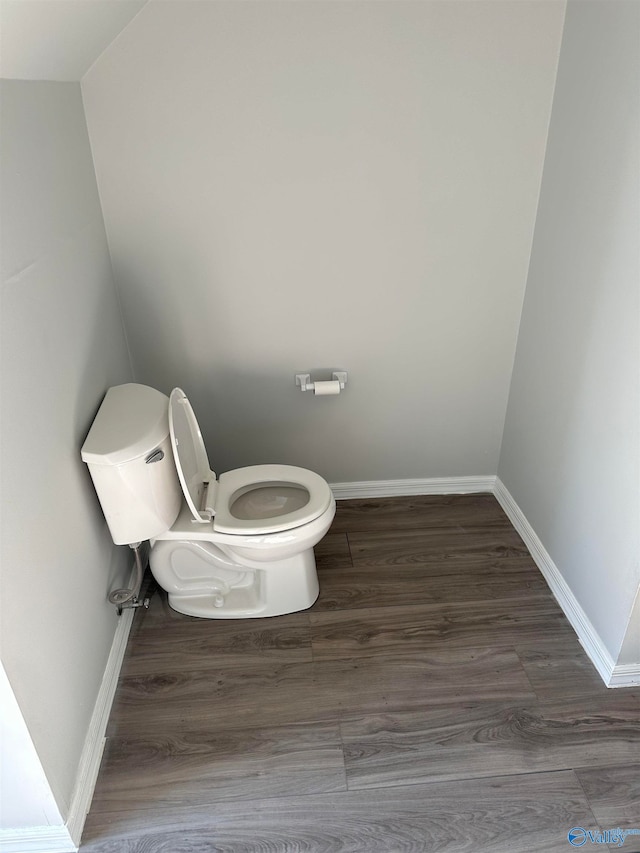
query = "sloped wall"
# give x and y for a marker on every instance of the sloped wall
(292, 187)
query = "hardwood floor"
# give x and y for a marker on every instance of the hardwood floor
(434, 699)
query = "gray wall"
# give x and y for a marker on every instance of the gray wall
(297, 186)
(570, 455)
(62, 346)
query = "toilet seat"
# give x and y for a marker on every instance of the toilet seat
(272, 486)
(281, 497)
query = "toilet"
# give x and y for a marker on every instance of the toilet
(238, 546)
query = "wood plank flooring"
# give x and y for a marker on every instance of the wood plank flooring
(434, 699)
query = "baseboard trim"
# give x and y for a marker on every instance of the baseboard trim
(625, 675)
(612, 675)
(406, 488)
(66, 838)
(37, 839)
(95, 741)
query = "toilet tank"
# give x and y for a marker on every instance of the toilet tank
(128, 451)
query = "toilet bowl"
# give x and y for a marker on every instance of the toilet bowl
(267, 566)
(240, 546)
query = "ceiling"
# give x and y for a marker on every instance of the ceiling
(58, 39)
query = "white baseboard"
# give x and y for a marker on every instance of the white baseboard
(37, 839)
(405, 488)
(95, 741)
(66, 839)
(625, 675)
(612, 675)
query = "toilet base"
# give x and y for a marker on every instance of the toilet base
(283, 587)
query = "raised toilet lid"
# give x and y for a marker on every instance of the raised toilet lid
(254, 500)
(189, 452)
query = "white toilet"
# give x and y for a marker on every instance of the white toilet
(240, 546)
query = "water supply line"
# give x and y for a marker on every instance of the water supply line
(126, 598)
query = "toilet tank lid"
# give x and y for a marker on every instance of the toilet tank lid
(131, 422)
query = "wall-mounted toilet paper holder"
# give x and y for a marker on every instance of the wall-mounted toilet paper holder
(332, 386)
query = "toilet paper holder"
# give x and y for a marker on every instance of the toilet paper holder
(303, 380)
